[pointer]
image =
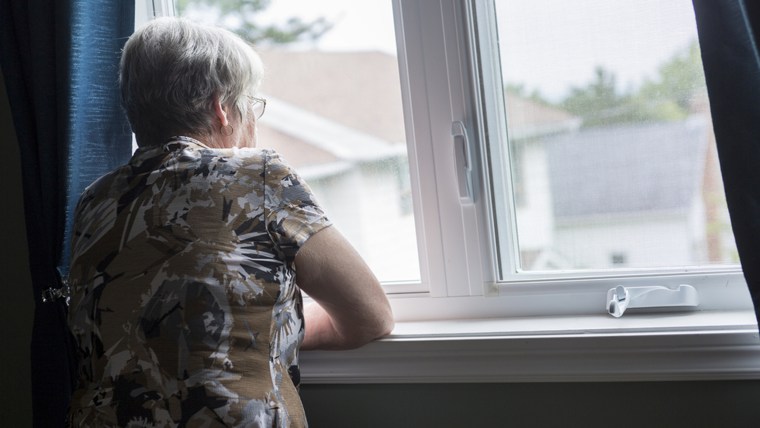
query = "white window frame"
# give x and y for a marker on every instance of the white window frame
(460, 323)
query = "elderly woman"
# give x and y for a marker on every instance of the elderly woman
(185, 307)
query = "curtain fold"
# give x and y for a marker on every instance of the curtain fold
(728, 37)
(60, 61)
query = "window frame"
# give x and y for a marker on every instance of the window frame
(460, 323)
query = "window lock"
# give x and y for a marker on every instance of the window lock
(651, 299)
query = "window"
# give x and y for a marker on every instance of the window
(499, 149)
(511, 195)
(490, 148)
(618, 258)
(334, 111)
(572, 194)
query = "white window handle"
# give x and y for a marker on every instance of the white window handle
(653, 297)
(463, 159)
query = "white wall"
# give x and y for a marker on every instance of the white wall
(365, 204)
(535, 222)
(650, 240)
(389, 232)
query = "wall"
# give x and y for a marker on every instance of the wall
(647, 240)
(535, 219)
(541, 405)
(364, 202)
(609, 405)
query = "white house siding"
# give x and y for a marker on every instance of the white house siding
(365, 204)
(698, 231)
(535, 220)
(339, 196)
(650, 241)
(389, 232)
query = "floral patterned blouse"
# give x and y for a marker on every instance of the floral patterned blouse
(184, 304)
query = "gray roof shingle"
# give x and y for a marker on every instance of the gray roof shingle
(627, 168)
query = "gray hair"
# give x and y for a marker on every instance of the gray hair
(172, 69)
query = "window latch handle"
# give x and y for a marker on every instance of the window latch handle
(651, 298)
(463, 159)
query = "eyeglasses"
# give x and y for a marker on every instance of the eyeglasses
(258, 106)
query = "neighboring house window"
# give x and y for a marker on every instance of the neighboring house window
(618, 259)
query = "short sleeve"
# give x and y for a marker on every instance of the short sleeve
(292, 212)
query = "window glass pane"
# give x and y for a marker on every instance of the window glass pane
(613, 163)
(334, 112)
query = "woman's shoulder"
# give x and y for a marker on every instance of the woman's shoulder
(106, 181)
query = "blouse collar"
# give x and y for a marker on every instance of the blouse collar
(184, 139)
(172, 144)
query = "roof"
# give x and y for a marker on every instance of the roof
(299, 153)
(327, 111)
(527, 118)
(326, 135)
(359, 90)
(627, 168)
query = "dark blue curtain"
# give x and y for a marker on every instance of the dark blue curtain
(728, 36)
(60, 61)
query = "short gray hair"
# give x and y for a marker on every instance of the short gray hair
(171, 69)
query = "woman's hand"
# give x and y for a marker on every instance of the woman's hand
(351, 308)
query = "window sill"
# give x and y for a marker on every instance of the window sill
(706, 345)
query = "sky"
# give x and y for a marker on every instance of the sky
(629, 38)
(544, 44)
(357, 24)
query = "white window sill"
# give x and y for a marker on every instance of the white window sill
(705, 345)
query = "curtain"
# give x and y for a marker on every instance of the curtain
(60, 62)
(728, 37)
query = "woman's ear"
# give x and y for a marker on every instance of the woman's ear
(221, 114)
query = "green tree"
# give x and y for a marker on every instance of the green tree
(599, 102)
(667, 97)
(519, 90)
(240, 16)
(679, 79)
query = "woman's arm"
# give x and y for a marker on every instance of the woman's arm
(351, 308)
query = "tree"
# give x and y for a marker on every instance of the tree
(239, 16)
(519, 90)
(679, 79)
(599, 101)
(667, 97)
